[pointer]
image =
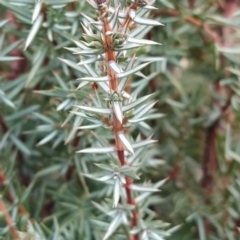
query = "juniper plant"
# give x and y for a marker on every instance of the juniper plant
(44, 193)
(108, 54)
(118, 138)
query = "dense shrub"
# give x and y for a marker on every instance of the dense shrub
(48, 191)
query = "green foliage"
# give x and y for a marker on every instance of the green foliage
(60, 176)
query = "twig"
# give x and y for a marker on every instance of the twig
(110, 55)
(193, 20)
(17, 66)
(9, 194)
(191, 3)
(210, 163)
(210, 154)
(8, 219)
(127, 22)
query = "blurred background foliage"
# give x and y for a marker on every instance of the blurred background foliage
(198, 89)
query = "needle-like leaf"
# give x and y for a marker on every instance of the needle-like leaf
(117, 109)
(134, 70)
(98, 150)
(36, 26)
(125, 142)
(95, 110)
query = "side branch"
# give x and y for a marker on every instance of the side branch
(195, 21)
(8, 219)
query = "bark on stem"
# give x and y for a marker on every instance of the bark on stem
(210, 163)
(191, 3)
(110, 55)
(8, 219)
(126, 23)
(193, 20)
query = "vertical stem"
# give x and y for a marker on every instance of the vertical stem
(210, 158)
(210, 162)
(210, 154)
(17, 66)
(8, 219)
(110, 55)
(230, 6)
(191, 3)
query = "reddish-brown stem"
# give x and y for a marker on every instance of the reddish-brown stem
(17, 66)
(210, 163)
(3, 178)
(191, 3)
(130, 199)
(3, 125)
(210, 158)
(193, 20)
(8, 219)
(110, 55)
(230, 6)
(73, 6)
(210, 154)
(127, 22)
(9, 195)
